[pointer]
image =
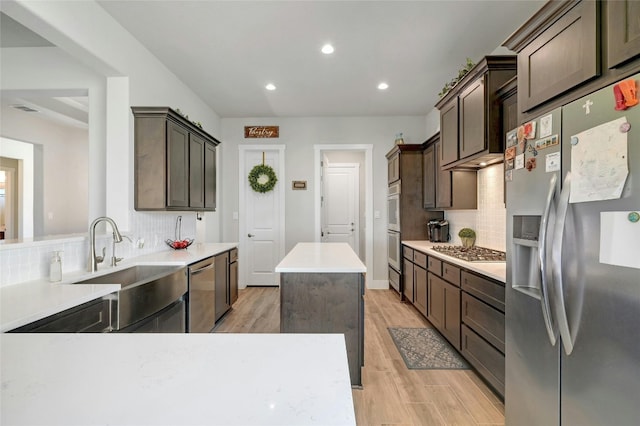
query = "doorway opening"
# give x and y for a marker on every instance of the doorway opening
(340, 199)
(361, 154)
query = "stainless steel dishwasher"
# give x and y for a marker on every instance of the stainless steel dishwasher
(202, 296)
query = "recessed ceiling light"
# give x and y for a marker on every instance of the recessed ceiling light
(383, 86)
(327, 49)
(270, 86)
(482, 164)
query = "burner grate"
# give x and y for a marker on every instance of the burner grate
(472, 254)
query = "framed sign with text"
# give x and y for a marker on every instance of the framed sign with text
(261, 132)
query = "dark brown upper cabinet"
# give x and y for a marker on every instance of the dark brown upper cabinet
(429, 177)
(393, 167)
(446, 189)
(623, 31)
(196, 171)
(562, 56)
(508, 95)
(175, 162)
(571, 48)
(210, 176)
(177, 168)
(470, 123)
(449, 131)
(405, 162)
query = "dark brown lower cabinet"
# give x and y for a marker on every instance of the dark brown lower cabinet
(483, 329)
(465, 307)
(420, 287)
(435, 312)
(444, 308)
(487, 321)
(407, 279)
(233, 276)
(222, 285)
(485, 358)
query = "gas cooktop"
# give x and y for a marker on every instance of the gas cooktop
(472, 254)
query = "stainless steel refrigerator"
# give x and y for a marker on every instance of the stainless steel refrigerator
(573, 265)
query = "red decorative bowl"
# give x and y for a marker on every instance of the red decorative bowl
(179, 244)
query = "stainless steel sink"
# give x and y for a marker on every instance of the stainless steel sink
(134, 275)
(146, 290)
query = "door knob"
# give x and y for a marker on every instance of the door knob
(250, 235)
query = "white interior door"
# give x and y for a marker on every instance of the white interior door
(340, 204)
(262, 215)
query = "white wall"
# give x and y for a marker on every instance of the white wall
(24, 208)
(299, 135)
(64, 201)
(51, 70)
(131, 76)
(489, 220)
(433, 122)
(128, 75)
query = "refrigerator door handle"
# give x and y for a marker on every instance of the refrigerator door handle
(556, 255)
(552, 330)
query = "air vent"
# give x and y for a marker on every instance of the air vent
(24, 108)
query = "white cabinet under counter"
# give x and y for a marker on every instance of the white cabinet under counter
(321, 291)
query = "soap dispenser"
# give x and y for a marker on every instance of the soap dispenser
(55, 268)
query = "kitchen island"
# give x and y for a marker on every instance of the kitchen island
(321, 291)
(175, 379)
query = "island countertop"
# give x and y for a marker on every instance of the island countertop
(321, 257)
(175, 379)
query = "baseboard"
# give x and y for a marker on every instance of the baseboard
(378, 285)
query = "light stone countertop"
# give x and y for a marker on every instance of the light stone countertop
(175, 379)
(23, 303)
(321, 257)
(494, 270)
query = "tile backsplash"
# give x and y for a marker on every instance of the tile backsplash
(30, 260)
(489, 220)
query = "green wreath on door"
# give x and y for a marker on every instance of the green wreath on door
(262, 178)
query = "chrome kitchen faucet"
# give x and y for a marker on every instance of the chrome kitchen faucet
(93, 259)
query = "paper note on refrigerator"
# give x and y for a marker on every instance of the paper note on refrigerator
(599, 166)
(619, 240)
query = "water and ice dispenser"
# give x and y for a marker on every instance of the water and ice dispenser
(526, 276)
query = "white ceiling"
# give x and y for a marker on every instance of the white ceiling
(64, 107)
(226, 51)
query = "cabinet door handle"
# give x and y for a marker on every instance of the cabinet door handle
(250, 235)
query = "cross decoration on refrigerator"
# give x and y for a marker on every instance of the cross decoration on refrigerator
(573, 263)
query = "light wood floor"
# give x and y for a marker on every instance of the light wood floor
(391, 394)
